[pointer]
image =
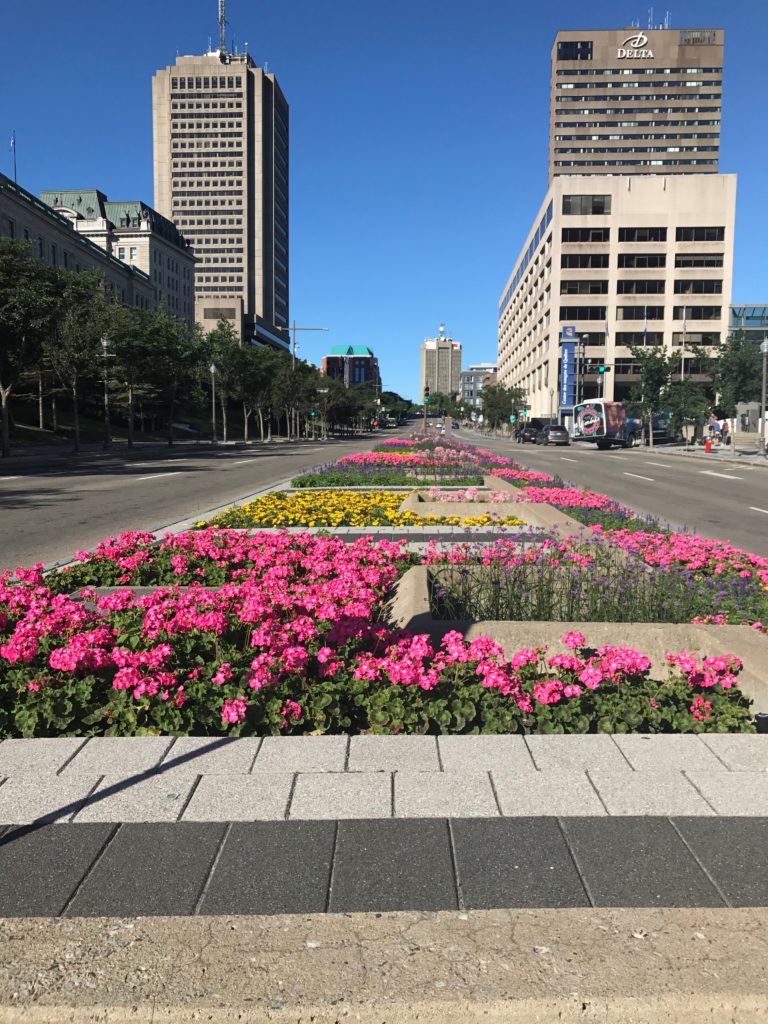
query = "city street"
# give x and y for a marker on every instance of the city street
(714, 499)
(53, 507)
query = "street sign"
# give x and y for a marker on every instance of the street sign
(569, 332)
(567, 374)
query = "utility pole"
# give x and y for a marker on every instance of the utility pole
(292, 332)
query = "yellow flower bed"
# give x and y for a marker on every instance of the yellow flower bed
(342, 508)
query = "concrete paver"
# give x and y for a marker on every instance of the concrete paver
(119, 757)
(43, 755)
(649, 793)
(204, 755)
(240, 797)
(731, 793)
(302, 754)
(158, 798)
(546, 793)
(666, 751)
(393, 754)
(739, 753)
(576, 752)
(460, 753)
(465, 794)
(26, 798)
(333, 795)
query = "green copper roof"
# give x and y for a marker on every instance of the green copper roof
(88, 203)
(350, 350)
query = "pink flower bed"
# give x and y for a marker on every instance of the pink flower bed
(469, 495)
(569, 497)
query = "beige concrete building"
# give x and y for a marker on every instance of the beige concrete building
(634, 101)
(56, 242)
(137, 235)
(221, 175)
(622, 260)
(441, 365)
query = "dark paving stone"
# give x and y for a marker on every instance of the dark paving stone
(42, 865)
(150, 869)
(273, 867)
(393, 865)
(515, 862)
(735, 853)
(637, 862)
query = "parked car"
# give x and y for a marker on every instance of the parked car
(552, 434)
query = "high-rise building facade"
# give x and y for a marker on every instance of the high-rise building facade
(220, 126)
(473, 379)
(441, 365)
(636, 101)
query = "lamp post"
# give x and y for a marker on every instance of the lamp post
(580, 371)
(212, 368)
(107, 443)
(292, 332)
(764, 350)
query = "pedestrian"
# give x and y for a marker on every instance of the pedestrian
(726, 432)
(712, 425)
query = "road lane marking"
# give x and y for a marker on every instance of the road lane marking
(723, 476)
(160, 462)
(565, 458)
(754, 508)
(664, 465)
(9, 478)
(638, 477)
(157, 476)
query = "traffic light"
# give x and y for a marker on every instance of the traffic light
(426, 396)
(312, 413)
(604, 369)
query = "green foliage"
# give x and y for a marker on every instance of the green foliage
(738, 372)
(500, 402)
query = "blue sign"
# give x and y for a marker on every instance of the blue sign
(567, 374)
(569, 333)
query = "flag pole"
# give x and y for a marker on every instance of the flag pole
(13, 147)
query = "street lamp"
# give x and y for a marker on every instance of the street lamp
(212, 368)
(764, 350)
(580, 373)
(107, 432)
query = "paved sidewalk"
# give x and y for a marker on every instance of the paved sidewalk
(375, 823)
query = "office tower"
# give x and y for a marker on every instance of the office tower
(635, 101)
(473, 380)
(220, 127)
(441, 364)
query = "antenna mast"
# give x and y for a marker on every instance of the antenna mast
(222, 27)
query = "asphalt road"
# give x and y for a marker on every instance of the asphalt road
(712, 500)
(51, 507)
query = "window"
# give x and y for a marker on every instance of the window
(640, 312)
(586, 204)
(698, 260)
(628, 338)
(133, 251)
(584, 260)
(568, 313)
(583, 287)
(696, 338)
(586, 234)
(640, 288)
(697, 312)
(641, 260)
(642, 234)
(574, 49)
(121, 252)
(698, 287)
(53, 255)
(697, 37)
(706, 234)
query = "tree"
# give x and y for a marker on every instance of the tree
(687, 402)
(226, 353)
(132, 343)
(654, 367)
(29, 305)
(500, 402)
(737, 372)
(73, 353)
(178, 358)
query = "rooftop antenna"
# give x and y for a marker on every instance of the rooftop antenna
(222, 26)
(650, 17)
(668, 19)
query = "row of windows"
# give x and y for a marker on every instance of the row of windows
(634, 124)
(654, 286)
(712, 83)
(177, 164)
(198, 136)
(634, 163)
(712, 147)
(643, 97)
(644, 234)
(216, 82)
(592, 204)
(639, 110)
(641, 71)
(529, 253)
(651, 136)
(570, 313)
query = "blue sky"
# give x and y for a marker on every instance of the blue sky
(409, 198)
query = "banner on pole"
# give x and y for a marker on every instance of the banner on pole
(567, 375)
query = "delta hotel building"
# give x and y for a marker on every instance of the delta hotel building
(633, 242)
